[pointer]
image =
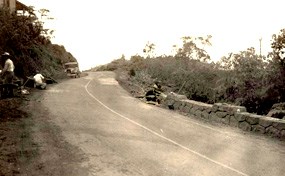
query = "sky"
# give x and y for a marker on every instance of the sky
(96, 32)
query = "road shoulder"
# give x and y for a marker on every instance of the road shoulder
(30, 144)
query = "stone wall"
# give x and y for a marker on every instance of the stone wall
(231, 115)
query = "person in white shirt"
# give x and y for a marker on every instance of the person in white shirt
(39, 81)
(8, 70)
(7, 75)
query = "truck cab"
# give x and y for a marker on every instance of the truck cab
(72, 69)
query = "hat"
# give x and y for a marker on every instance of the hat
(6, 54)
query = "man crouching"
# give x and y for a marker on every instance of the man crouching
(39, 81)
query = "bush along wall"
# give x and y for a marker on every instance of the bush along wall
(235, 116)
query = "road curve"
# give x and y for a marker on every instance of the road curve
(120, 135)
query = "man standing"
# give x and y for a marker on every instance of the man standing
(8, 70)
(7, 74)
(39, 81)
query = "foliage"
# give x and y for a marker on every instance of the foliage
(278, 46)
(149, 49)
(246, 81)
(25, 38)
(244, 78)
(120, 63)
(277, 67)
(18, 33)
(193, 48)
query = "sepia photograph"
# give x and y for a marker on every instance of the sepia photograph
(142, 88)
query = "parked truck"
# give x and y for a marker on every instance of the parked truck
(72, 69)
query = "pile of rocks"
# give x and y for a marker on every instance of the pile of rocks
(277, 111)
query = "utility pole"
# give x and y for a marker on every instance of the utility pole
(260, 46)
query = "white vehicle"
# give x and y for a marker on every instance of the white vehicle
(72, 70)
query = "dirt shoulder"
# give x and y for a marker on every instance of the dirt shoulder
(13, 133)
(30, 144)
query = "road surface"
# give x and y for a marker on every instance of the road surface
(120, 135)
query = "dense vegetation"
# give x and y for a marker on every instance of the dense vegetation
(24, 37)
(245, 78)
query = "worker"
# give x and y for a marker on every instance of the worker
(8, 71)
(7, 74)
(39, 81)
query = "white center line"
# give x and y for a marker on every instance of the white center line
(163, 137)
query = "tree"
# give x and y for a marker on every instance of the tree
(278, 46)
(20, 32)
(44, 16)
(246, 80)
(193, 48)
(226, 62)
(277, 67)
(25, 38)
(149, 49)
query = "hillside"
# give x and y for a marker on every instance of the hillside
(25, 38)
(245, 78)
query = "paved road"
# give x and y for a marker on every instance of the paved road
(121, 135)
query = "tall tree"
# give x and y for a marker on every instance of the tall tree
(149, 49)
(194, 48)
(246, 81)
(278, 46)
(277, 67)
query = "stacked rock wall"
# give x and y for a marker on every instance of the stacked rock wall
(235, 116)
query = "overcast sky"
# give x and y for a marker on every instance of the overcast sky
(98, 31)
